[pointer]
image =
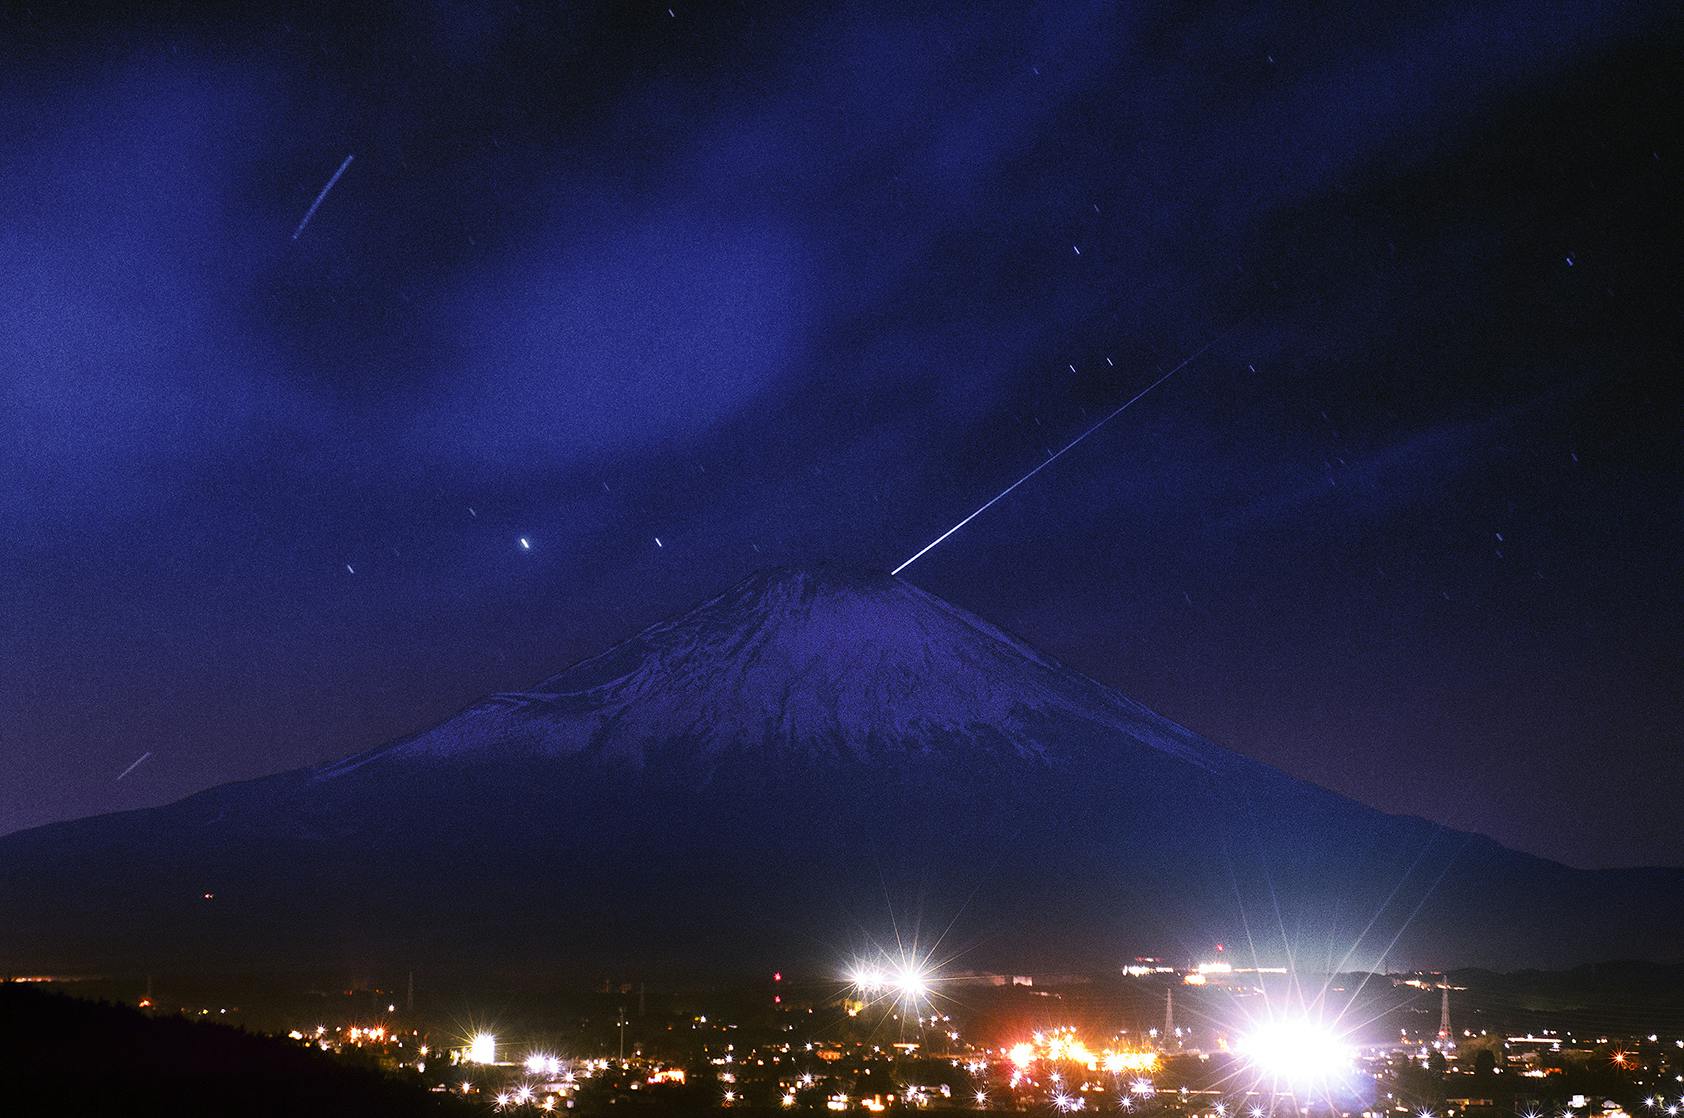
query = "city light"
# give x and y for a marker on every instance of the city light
(867, 979)
(1274, 1063)
(1296, 1053)
(1065, 1046)
(907, 979)
(1118, 1062)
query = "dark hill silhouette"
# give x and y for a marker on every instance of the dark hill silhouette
(63, 1055)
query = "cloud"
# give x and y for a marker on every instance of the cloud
(122, 253)
(591, 342)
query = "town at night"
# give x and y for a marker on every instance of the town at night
(1210, 1039)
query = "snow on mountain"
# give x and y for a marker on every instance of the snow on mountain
(825, 663)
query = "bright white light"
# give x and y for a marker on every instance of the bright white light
(982, 1098)
(540, 1064)
(1066, 1104)
(867, 978)
(906, 979)
(482, 1049)
(911, 981)
(1297, 1053)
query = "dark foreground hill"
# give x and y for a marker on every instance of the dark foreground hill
(62, 1055)
(809, 760)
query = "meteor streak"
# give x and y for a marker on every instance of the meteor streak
(311, 212)
(1050, 459)
(134, 766)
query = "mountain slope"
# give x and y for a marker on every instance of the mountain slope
(812, 757)
(816, 663)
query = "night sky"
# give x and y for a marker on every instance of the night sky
(780, 284)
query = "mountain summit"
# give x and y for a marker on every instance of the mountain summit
(811, 755)
(823, 663)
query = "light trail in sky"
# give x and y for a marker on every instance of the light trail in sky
(311, 212)
(1050, 459)
(134, 766)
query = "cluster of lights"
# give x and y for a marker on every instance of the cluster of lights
(1065, 1046)
(906, 980)
(522, 1096)
(540, 1064)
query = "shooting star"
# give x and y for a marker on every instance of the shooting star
(134, 766)
(1051, 458)
(311, 212)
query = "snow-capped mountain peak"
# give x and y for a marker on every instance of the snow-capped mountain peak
(816, 663)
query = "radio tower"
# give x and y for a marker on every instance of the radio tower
(1169, 1017)
(1444, 1039)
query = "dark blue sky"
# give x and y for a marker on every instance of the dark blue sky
(783, 283)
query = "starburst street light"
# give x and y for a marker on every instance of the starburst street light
(1297, 1054)
(906, 978)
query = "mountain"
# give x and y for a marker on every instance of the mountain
(815, 759)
